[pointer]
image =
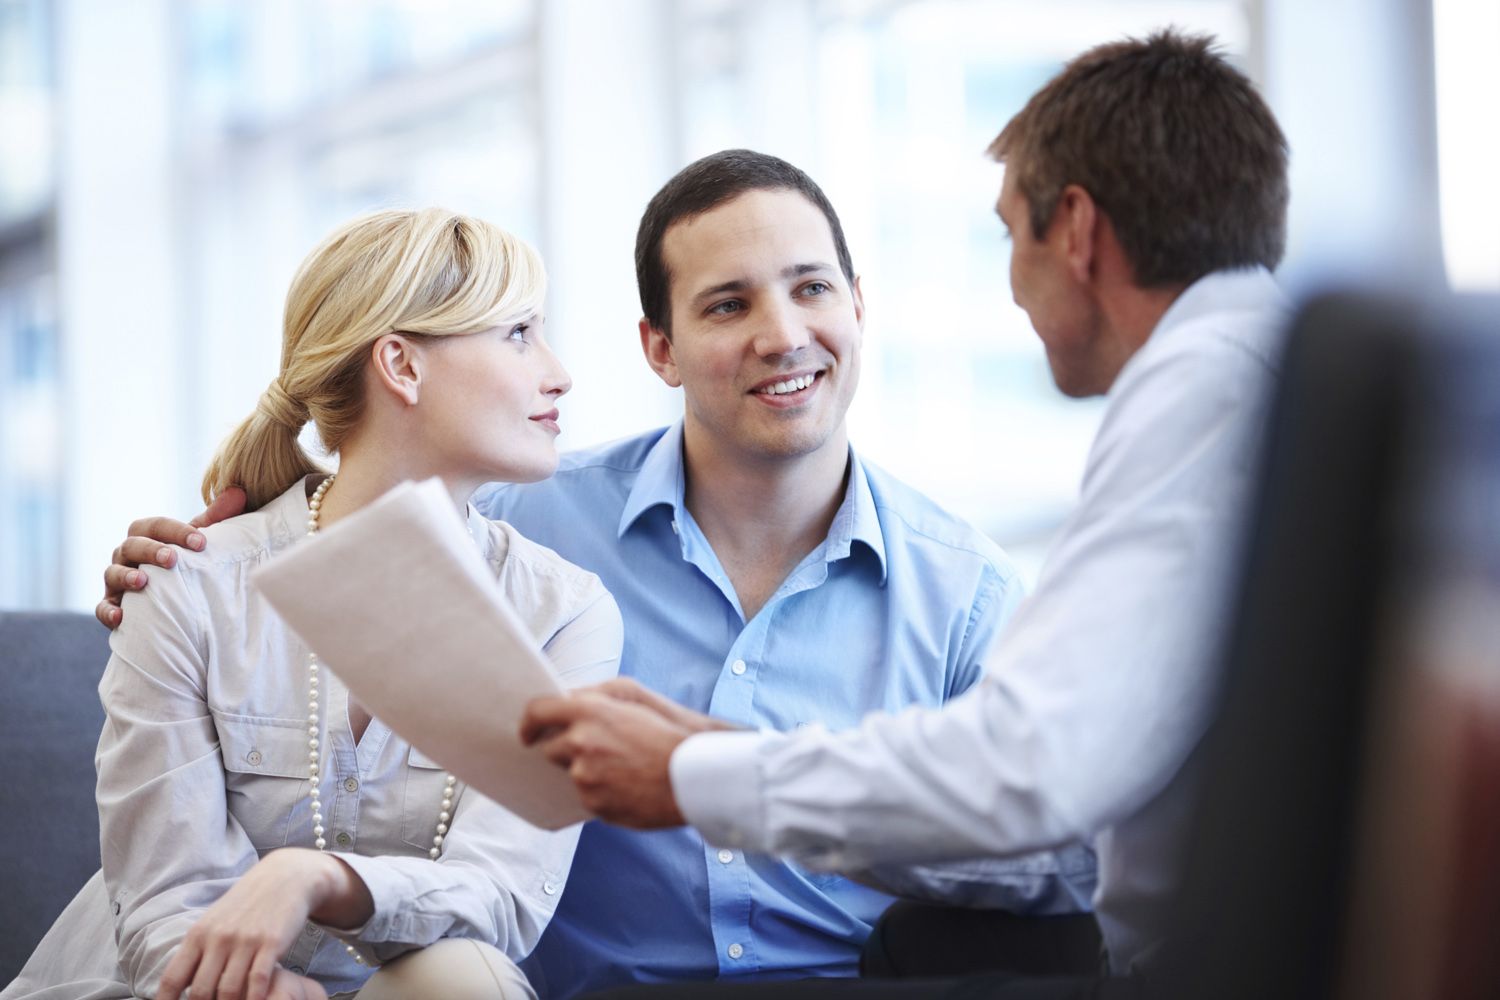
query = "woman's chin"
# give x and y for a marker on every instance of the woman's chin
(525, 472)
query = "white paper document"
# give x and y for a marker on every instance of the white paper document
(397, 600)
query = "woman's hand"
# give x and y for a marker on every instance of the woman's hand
(232, 951)
(287, 985)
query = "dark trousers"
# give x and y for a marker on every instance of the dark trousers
(927, 940)
(919, 950)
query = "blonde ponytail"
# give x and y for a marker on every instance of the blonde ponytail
(262, 455)
(430, 272)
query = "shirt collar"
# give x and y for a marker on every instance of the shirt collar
(1250, 289)
(857, 519)
(661, 481)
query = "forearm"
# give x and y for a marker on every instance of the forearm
(888, 792)
(499, 880)
(342, 900)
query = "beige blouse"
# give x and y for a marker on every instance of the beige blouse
(203, 766)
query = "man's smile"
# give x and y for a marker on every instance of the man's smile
(790, 389)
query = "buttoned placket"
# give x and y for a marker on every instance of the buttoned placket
(729, 877)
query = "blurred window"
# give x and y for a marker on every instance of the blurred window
(31, 431)
(891, 115)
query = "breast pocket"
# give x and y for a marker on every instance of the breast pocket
(423, 799)
(265, 774)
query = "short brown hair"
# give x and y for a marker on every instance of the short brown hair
(1173, 144)
(704, 185)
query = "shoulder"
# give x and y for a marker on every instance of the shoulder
(916, 527)
(205, 590)
(1185, 415)
(230, 547)
(534, 576)
(581, 474)
(1223, 343)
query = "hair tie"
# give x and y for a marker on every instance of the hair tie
(280, 408)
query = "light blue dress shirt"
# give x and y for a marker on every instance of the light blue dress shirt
(897, 607)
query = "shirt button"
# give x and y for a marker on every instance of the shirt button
(738, 667)
(344, 840)
(736, 950)
(675, 530)
(726, 856)
(550, 888)
(254, 758)
(351, 784)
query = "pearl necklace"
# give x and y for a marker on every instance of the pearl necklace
(314, 732)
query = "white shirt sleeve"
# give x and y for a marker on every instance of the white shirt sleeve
(1094, 696)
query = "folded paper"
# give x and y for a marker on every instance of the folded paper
(398, 601)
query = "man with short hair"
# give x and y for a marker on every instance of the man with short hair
(766, 574)
(1145, 191)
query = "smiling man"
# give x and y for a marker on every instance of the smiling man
(766, 574)
(1145, 190)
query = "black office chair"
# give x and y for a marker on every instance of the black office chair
(1342, 526)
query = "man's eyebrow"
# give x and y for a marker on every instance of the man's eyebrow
(740, 284)
(737, 285)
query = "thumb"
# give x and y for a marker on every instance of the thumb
(225, 505)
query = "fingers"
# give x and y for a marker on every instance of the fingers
(119, 578)
(206, 978)
(561, 749)
(627, 689)
(225, 505)
(169, 530)
(258, 977)
(232, 982)
(287, 985)
(544, 715)
(179, 971)
(108, 613)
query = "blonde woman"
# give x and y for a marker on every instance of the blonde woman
(413, 341)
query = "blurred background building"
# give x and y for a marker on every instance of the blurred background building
(165, 164)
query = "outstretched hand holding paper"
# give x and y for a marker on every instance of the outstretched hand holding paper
(399, 603)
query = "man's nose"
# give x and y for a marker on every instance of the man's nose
(781, 331)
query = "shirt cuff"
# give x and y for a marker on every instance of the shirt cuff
(716, 779)
(385, 889)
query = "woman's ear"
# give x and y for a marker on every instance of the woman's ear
(397, 367)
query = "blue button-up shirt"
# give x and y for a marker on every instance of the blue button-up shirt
(896, 607)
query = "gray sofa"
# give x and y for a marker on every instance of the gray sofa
(50, 664)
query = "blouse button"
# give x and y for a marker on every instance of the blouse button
(254, 758)
(344, 840)
(351, 784)
(550, 888)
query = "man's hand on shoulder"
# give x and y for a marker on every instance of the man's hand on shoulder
(150, 541)
(616, 740)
